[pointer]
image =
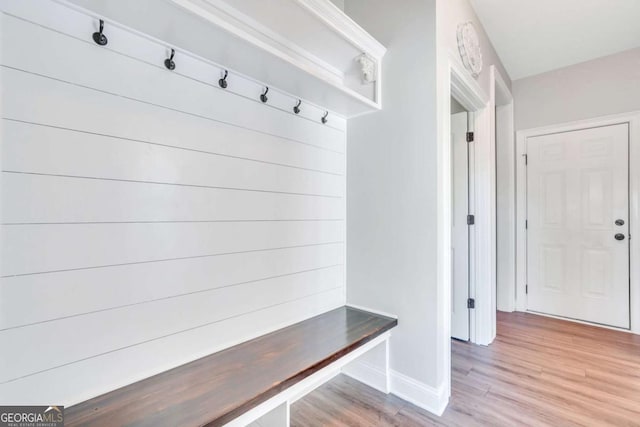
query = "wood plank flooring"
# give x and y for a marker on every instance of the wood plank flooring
(538, 372)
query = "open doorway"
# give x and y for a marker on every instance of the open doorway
(457, 84)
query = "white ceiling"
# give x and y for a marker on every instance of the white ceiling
(534, 36)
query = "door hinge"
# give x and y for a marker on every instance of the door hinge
(471, 219)
(526, 289)
(471, 303)
(526, 159)
(526, 224)
(470, 137)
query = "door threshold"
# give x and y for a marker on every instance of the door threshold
(582, 322)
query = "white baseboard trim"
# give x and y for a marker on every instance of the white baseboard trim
(367, 374)
(422, 395)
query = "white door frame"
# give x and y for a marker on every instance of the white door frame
(502, 124)
(633, 119)
(454, 81)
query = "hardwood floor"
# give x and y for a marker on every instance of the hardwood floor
(538, 372)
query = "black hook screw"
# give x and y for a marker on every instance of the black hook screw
(169, 61)
(324, 119)
(223, 81)
(296, 109)
(263, 97)
(100, 38)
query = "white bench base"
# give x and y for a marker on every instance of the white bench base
(275, 412)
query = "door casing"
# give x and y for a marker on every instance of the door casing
(633, 120)
(455, 81)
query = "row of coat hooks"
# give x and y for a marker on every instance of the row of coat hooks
(170, 64)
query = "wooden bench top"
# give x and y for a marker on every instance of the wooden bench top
(215, 389)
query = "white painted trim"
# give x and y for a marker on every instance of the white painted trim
(521, 217)
(254, 414)
(367, 374)
(422, 395)
(505, 277)
(633, 119)
(223, 15)
(342, 24)
(470, 95)
(453, 80)
(299, 390)
(351, 32)
(377, 377)
(464, 88)
(502, 93)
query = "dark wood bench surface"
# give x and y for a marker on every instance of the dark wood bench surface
(215, 389)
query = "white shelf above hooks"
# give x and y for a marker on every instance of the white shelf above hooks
(308, 48)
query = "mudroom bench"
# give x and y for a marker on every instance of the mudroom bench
(253, 383)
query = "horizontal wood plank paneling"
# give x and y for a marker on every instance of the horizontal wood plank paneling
(73, 383)
(98, 289)
(28, 198)
(45, 150)
(29, 249)
(149, 217)
(37, 99)
(143, 322)
(83, 63)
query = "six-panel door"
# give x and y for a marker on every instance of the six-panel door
(578, 224)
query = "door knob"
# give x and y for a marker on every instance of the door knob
(619, 236)
(620, 222)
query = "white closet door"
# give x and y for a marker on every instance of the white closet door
(460, 229)
(578, 224)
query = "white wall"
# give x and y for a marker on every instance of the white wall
(604, 86)
(150, 217)
(391, 185)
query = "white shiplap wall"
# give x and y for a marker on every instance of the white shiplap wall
(149, 217)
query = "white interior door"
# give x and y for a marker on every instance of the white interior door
(460, 229)
(578, 225)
